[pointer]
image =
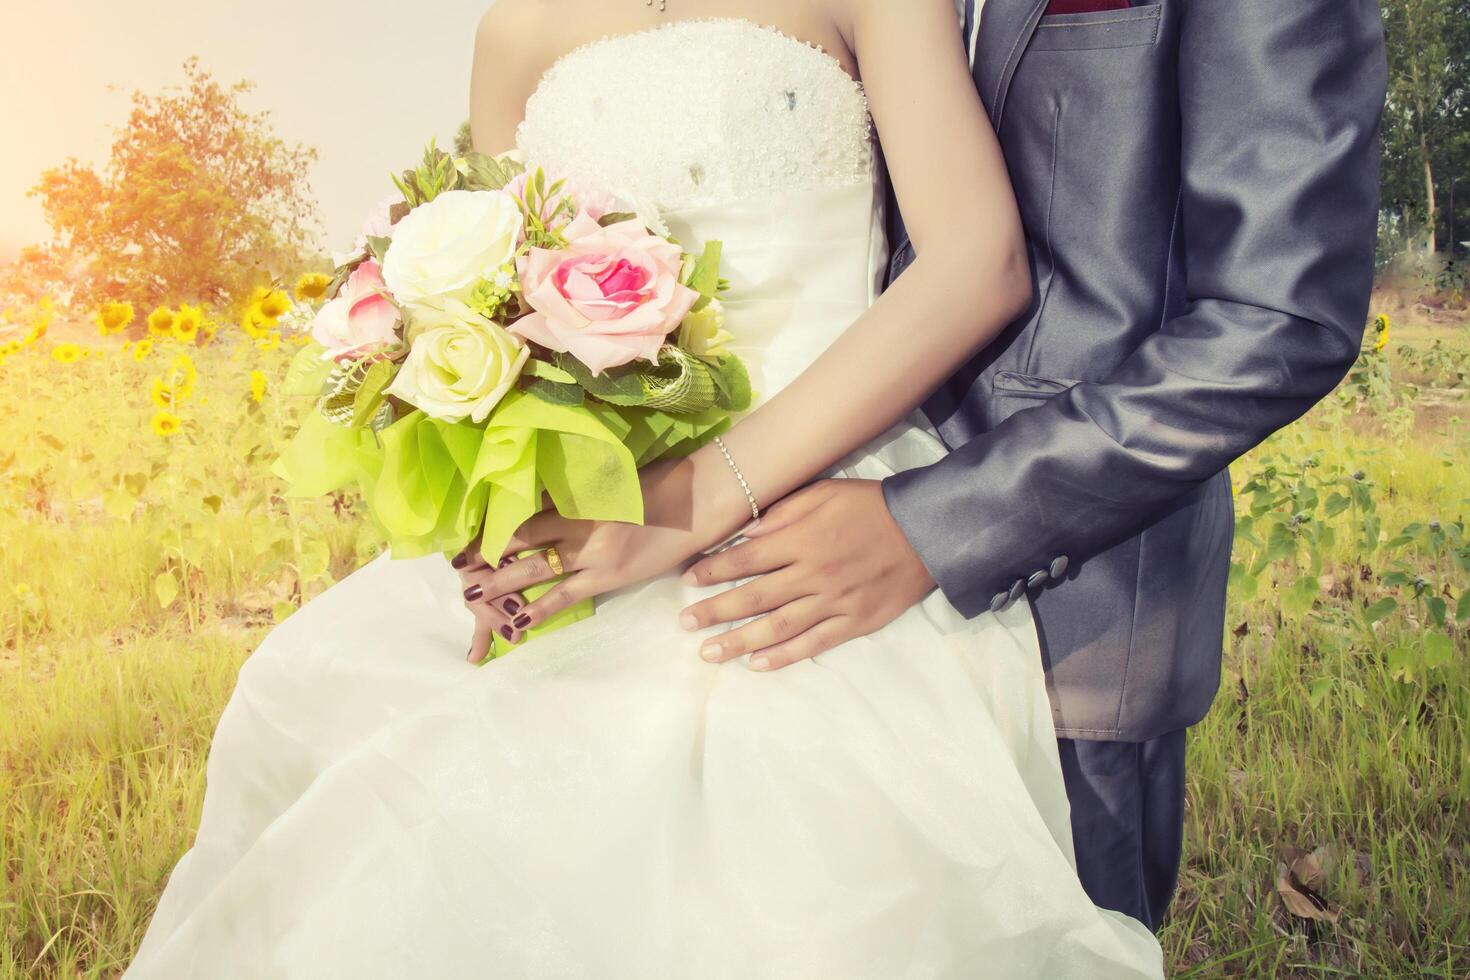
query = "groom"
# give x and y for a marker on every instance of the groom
(1199, 185)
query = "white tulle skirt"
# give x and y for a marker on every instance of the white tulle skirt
(602, 804)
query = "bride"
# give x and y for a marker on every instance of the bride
(605, 802)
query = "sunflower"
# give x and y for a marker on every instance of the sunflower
(312, 286)
(142, 349)
(166, 424)
(257, 386)
(256, 324)
(272, 303)
(161, 322)
(270, 342)
(162, 394)
(66, 353)
(187, 323)
(1381, 326)
(114, 318)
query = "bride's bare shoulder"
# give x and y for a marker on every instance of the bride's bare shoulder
(508, 62)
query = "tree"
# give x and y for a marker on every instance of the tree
(1428, 99)
(199, 201)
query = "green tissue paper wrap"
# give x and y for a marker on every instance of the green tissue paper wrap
(432, 486)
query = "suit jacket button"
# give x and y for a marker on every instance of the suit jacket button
(1059, 567)
(999, 602)
(1017, 590)
(1037, 580)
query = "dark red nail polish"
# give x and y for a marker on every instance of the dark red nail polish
(511, 606)
(522, 621)
(506, 632)
(472, 593)
(460, 560)
(508, 559)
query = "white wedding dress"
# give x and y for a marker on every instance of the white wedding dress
(602, 804)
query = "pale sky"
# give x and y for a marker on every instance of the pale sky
(366, 82)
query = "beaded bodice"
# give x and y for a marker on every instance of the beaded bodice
(699, 112)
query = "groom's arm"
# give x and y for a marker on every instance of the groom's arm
(1280, 109)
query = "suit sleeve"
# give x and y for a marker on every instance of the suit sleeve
(1280, 108)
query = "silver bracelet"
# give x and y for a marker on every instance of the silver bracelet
(755, 508)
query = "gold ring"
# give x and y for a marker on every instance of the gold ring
(553, 558)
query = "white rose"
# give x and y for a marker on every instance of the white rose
(459, 364)
(441, 249)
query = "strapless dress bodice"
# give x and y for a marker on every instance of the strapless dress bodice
(700, 112)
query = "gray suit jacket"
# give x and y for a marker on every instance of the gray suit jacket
(1198, 181)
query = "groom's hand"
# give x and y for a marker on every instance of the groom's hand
(829, 565)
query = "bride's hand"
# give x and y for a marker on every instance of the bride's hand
(598, 557)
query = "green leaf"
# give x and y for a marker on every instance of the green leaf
(616, 217)
(119, 504)
(617, 386)
(1436, 606)
(307, 372)
(537, 368)
(1319, 690)
(1243, 585)
(166, 588)
(1336, 504)
(378, 246)
(370, 395)
(487, 173)
(1380, 610)
(555, 392)
(1462, 608)
(1439, 651)
(732, 382)
(704, 278)
(1300, 597)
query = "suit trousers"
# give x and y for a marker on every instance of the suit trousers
(1127, 821)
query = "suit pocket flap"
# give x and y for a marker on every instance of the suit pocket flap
(1030, 386)
(1131, 28)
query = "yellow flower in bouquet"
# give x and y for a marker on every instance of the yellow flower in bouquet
(113, 317)
(312, 286)
(66, 353)
(166, 424)
(257, 386)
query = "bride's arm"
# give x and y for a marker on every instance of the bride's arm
(971, 279)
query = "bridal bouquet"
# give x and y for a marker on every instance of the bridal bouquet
(496, 336)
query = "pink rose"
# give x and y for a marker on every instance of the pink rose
(360, 317)
(610, 297)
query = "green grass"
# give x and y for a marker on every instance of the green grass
(1330, 732)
